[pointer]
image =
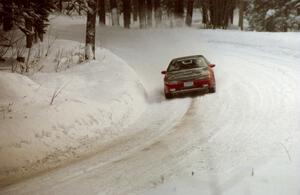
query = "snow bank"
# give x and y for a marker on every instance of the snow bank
(14, 87)
(93, 103)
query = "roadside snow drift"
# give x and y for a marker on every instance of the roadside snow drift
(52, 118)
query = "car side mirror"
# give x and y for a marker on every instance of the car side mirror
(212, 65)
(163, 72)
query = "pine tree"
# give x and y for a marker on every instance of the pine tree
(42, 9)
(29, 17)
(7, 15)
(275, 15)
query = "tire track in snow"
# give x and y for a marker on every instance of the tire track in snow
(258, 115)
(144, 134)
(253, 112)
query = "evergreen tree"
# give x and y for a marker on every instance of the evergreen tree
(30, 16)
(7, 14)
(42, 9)
(273, 15)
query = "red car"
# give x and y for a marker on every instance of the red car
(189, 74)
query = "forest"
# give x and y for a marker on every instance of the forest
(31, 16)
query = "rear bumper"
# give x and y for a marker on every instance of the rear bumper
(205, 88)
(180, 88)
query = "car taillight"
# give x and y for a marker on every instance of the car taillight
(201, 82)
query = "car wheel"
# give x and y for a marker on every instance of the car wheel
(212, 90)
(168, 95)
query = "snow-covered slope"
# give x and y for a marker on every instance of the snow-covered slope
(95, 102)
(242, 140)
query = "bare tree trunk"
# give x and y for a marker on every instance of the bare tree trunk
(149, 13)
(114, 13)
(179, 9)
(101, 11)
(232, 14)
(220, 13)
(158, 12)
(126, 13)
(35, 34)
(241, 14)
(8, 15)
(60, 6)
(1, 19)
(189, 14)
(179, 12)
(204, 5)
(90, 30)
(142, 16)
(79, 10)
(135, 9)
(298, 13)
(170, 12)
(226, 14)
(212, 13)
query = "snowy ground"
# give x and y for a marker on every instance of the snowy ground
(95, 102)
(242, 140)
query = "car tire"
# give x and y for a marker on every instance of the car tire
(168, 96)
(212, 90)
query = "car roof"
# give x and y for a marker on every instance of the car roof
(187, 57)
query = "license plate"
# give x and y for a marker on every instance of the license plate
(188, 84)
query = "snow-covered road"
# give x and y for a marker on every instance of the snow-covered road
(242, 140)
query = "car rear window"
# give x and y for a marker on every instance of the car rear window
(188, 63)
